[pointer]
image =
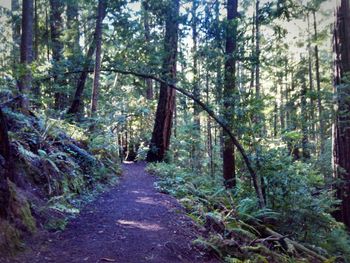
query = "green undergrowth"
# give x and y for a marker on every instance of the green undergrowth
(60, 166)
(238, 231)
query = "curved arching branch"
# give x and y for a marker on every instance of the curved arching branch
(210, 112)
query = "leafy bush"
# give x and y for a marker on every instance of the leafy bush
(298, 205)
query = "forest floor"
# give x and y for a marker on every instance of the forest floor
(130, 223)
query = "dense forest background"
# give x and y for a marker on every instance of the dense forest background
(242, 107)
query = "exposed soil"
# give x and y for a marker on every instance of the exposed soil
(130, 223)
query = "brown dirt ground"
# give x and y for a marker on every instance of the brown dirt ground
(130, 223)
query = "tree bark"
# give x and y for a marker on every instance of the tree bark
(74, 108)
(166, 103)
(16, 36)
(97, 68)
(56, 29)
(304, 119)
(257, 53)
(230, 92)
(196, 153)
(149, 84)
(311, 82)
(318, 82)
(5, 165)
(341, 136)
(25, 83)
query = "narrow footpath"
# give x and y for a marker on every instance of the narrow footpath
(130, 223)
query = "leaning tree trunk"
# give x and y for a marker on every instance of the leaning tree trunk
(74, 108)
(97, 68)
(341, 136)
(5, 166)
(229, 92)
(25, 83)
(166, 103)
(56, 28)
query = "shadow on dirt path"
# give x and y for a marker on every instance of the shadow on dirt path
(130, 223)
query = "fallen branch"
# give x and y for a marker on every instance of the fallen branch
(297, 246)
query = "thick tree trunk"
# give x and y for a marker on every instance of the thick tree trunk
(75, 106)
(341, 136)
(166, 104)
(56, 29)
(6, 171)
(25, 84)
(97, 68)
(230, 92)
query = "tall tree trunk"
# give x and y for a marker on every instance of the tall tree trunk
(36, 31)
(311, 82)
(36, 87)
(219, 77)
(230, 92)
(209, 132)
(318, 82)
(341, 136)
(74, 108)
(97, 68)
(73, 48)
(196, 90)
(16, 36)
(56, 29)
(282, 106)
(25, 84)
(166, 104)
(257, 54)
(149, 83)
(47, 34)
(304, 119)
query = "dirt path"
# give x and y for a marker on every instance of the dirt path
(131, 223)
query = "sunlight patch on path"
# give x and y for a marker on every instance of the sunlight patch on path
(140, 225)
(147, 200)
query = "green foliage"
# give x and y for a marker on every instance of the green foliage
(297, 206)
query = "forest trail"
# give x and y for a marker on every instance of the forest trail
(130, 223)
